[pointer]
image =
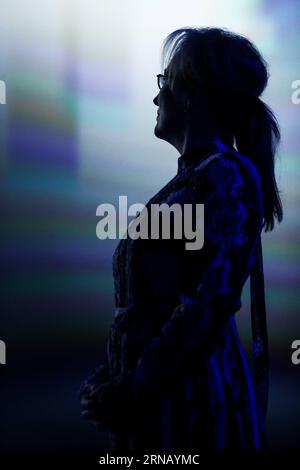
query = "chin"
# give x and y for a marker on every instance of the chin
(158, 132)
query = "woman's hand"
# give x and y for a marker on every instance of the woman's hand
(107, 405)
(99, 376)
(93, 404)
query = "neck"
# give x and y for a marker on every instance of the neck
(189, 146)
(194, 140)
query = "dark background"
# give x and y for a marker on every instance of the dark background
(76, 131)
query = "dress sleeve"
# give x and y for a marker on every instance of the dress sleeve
(210, 280)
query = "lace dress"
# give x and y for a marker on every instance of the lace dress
(174, 332)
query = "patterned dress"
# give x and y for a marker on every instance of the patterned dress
(174, 332)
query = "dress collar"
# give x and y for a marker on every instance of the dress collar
(192, 157)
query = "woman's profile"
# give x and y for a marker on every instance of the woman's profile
(175, 376)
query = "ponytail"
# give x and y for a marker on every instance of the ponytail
(257, 137)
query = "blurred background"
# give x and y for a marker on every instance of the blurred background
(77, 131)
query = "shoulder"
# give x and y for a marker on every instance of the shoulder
(229, 172)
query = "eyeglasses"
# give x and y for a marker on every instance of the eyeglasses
(161, 80)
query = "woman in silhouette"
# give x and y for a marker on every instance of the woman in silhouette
(175, 376)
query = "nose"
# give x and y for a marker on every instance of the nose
(155, 100)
